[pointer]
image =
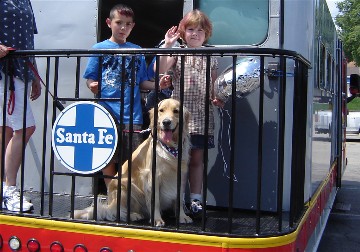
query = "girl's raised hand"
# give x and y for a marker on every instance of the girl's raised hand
(171, 36)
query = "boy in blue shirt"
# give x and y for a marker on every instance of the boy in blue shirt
(121, 22)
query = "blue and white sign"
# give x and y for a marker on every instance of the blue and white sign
(84, 137)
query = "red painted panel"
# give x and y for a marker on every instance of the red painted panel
(96, 242)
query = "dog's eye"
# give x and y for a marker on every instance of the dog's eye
(176, 111)
(161, 110)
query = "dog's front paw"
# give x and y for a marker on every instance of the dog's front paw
(185, 219)
(83, 214)
(159, 222)
(136, 216)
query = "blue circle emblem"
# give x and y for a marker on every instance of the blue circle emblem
(84, 137)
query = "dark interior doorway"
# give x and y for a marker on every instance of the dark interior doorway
(153, 18)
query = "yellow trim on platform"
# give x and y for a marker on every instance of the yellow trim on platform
(150, 235)
(160, 236)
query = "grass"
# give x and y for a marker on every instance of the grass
(354, 105)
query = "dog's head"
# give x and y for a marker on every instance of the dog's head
(168, 123)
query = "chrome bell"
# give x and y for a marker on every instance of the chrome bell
(247, 78)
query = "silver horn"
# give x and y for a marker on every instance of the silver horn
(247, 78)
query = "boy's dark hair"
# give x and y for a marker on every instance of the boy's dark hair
(123, 10)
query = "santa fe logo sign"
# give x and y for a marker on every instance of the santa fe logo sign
(84, 137)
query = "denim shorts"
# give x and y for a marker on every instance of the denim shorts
(198, 142)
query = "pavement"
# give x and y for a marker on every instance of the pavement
(342, 232)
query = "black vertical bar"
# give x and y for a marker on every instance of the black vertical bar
(155, 130)
(281, 132)
(298, 144)
(131, 126)
(157, 83)
(22, 167)
(260, 148)
(294, 166)
(44, 144)
(232, 143)
(73, 177)
(96, 178)
(153, 166)
(72, 196)
(282, 24)
(120, 138)
(340, 109)
(51, 168)
(100, 76)
(179, 198)
(132, 93)
(182, 95)
(6, 83)
(77, 78)
(51, 190)
(293, 191)
(96, 190)
(206, 144)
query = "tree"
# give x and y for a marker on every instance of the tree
(348, 20)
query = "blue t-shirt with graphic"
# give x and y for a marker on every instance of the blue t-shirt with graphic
(111, 81)
(17, 29)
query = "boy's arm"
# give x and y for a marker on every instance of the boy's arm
(92, 85)
(165, 63)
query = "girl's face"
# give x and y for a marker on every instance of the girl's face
(120, 26)
(194, 36)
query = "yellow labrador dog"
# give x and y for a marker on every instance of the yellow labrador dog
(141, 171)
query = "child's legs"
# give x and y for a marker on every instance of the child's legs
(14, 128)
(8, 135)
(13, 154)
(136, 140)
(111, 168)
(196, 169)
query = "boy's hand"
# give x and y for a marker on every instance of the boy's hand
(93, 86)
(171, 37)
(165, 81)
(4, 50)
(35, 89)
(218, 103)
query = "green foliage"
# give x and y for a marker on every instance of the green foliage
(354, 105)
(348, 21)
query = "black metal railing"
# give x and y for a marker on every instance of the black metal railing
(278, 72)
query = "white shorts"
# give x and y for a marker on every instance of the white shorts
(15, 120)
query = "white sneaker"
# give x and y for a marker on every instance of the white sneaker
(11, 201)
(194, 210)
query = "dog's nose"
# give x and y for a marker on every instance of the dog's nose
(166, 122)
